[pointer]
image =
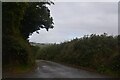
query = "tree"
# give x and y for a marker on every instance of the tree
(12, 14)
(36, 16)
(19, 21)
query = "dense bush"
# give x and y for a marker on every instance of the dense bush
(19, 20)
(98, 52)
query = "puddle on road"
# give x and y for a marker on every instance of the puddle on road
(44, 66)
(38, 68)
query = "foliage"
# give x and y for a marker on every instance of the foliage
(37, 16)
(19, 20)
(98, 52)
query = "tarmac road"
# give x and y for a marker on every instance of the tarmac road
(48, 69)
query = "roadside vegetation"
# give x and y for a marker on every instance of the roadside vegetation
(19, 20)
(97, 52)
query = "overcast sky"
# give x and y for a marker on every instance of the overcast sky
(76, 19)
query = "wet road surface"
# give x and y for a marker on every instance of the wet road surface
(48, 69)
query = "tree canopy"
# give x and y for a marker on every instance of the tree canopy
(37, 16)
(19, 20)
